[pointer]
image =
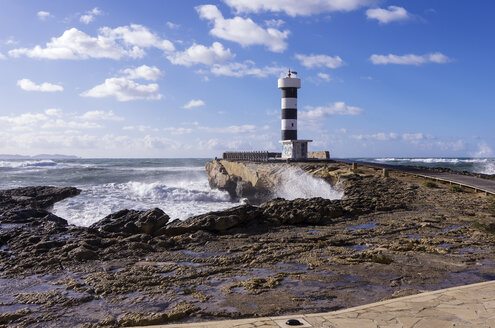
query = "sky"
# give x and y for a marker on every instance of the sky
(174, 78)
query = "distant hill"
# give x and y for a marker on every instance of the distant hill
(40, 156)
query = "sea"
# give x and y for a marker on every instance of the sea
(177, 186)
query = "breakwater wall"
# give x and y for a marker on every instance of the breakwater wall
(262, 181)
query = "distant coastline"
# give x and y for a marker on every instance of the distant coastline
(39, 156)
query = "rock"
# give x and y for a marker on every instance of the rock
(302, 211)
(6, 318)
(180, 311)
(133, 222)
(82, 253)
(31, 215)
(254, 181)
(214, 221)
(41, 197)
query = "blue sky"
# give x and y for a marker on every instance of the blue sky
(195, 78)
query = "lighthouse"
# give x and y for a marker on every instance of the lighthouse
(292, 148)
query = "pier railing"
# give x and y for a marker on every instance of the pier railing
(255, 156)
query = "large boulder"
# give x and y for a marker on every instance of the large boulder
(31, 215)
(132, 222)
(42, 197)
(302, 211)
(214, 221)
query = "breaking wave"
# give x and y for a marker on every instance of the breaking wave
(476, 165)
(296, 183)
(18, 164)
(179, 200)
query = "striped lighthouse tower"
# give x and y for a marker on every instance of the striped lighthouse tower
(289, 86)
(292, 148)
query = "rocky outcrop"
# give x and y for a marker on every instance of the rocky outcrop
(132, 222)
(257, 182)
(254, 181)
(34, 197)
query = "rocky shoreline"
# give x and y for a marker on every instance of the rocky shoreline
(387, 237)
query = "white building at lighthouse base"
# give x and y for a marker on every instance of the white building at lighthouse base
(295, 149)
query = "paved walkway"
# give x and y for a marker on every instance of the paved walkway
(479, 184)
(465, 306)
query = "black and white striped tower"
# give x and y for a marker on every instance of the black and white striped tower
(289, 86)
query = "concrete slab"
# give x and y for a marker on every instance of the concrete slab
(464, 306)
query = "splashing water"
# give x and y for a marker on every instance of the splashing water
(296, 183)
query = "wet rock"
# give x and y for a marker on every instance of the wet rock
(6, 318)
(219, 178)
(301, 211)
(214, 221)
(180, 311)
(42, 197)
(83, 254)
(258, 285)
(133, 222)
(31, 215)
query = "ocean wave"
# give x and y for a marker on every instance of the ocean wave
(18, 164)
(433, 160)
(296, 183)
(179, 201)
(189, 191)
(163, 168)
(487, 168)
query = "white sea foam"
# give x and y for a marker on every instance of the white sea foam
(433, 160)
(486, 168)
(296, 183)
(18, 164)
(180, 199)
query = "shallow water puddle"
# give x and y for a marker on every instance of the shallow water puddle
(367, 226)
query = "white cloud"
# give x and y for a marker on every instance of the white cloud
(450, 145)
(62, 124)
(178, 131)
(296, 7)
(194, 103)
(322, 112)
(243, 30)
(53, 112)
(43, 15)
(140, 128)
(410, 59)
(124, 89)
(143, 72)
(311, 61)
(200, 54)
(324, 76)
(90, 16)
(381, 136)
(28, 85)
(99, 115)
(2, 56)
(23, 120)
(274, 22)
(484, 150)
(247, 68)
(11, 41)
(172, 26)
(138, 35)
(414, 138)
(384, 16)
(233, 129)
(53, 118)
(124, 41)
